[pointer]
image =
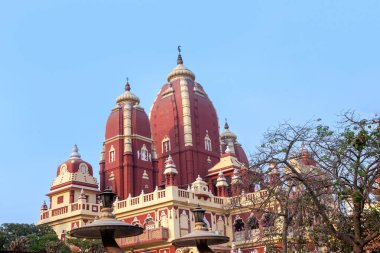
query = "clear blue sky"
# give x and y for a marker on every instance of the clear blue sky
(63, 63)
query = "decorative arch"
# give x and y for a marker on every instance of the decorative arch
(136, 222)
(164, 220)
(207, 139)
(166, 145)
(63, 169)
(238, 224)
(112, 154)
(220, 225)
(144, 153)
(83, 168)
(184, 223)
(149, 223)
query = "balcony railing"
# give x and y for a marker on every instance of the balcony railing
(149, 236)
(75, 208)
(158, 196)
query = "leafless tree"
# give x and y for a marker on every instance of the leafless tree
(282, 199)
(338, 175)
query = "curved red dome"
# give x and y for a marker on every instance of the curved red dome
(113, 127)
(185, 125)
(126, 164)
(240, 154)
(74, 171)
(229, 139)
(134, 120)
(140, 122)
(74, 164)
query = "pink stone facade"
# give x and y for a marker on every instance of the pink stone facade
(161, 167)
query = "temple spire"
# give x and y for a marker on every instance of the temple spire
(179, 59)
(75, 154)
(127, 86)
(226, 126)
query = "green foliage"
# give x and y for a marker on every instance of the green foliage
(360, 140)
(324, 131)
(3, 239)
(357, 197)
(38, 243)
(87, 245)
(29, 237)
(56, 247)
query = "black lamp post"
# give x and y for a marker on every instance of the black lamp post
(107, 227)
(199, 213)
(107, 197)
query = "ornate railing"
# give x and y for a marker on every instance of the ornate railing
(170, 193)
(74, 207)
(149, 236)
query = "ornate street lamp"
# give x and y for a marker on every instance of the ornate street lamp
(107, 197)
(107, 227)
(200, 237)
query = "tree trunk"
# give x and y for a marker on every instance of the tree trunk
(358, 248)
(285, 235)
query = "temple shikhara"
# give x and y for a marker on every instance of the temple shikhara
(161, 166)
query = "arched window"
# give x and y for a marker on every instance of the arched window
(112, 154)
(184, 223)
(238, 224)
(144, 153)
(164, 220)
(136, 222)
(166, 145)
(63, 169)
(83, 168)
(252, 222)
(220, 225)
(149, 223)
(208, 146)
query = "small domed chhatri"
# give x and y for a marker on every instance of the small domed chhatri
(76, 171)
(72, 196)
(227, 134)
(230, 145)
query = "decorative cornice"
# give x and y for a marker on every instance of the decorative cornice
(134, 136)
(180, 71)
(71, 185)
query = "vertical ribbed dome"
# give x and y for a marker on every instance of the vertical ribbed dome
(185, 125)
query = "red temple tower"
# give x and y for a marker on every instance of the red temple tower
(128, 161)
(185, 125)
